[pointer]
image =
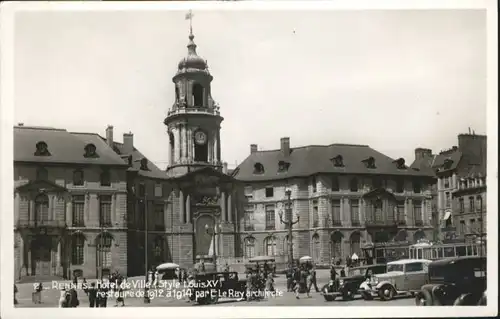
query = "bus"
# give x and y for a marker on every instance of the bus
(428, 250)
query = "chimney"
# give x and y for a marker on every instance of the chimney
(422, 153)
(20, 124)
(224, 167)
(285, 146)
(109, 135)
(253, 148)
(128, 143)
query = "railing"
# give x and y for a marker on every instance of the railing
(248, 227)
(40, 223)
(336, 222)
(449, 229)
(270, 227)
(78, 223)
(106, 224)
(379, 223)
(201, 110)
(419, 223)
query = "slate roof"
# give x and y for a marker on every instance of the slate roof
(311, 160)
(64, 147)
(153, 172)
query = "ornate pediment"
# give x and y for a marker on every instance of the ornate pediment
(204, 200)
(378, 194)
(41, 186)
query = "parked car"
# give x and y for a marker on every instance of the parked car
(454, 281)
(349, 286)
(403, 277)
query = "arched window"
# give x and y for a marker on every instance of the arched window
(198, 95)
(42, 174)
(401, 236)
(77, 249)
(249, 247)
(355, 243)
(479, 203)
(377, 205)
(78, 178)
(201, 152)
(41, 208)
(105, 178)
(177, 95)
(316, 248)
(103, 244)
(353, 184)
(270, 246)
(336, 244)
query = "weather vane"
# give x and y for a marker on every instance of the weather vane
(189, 16)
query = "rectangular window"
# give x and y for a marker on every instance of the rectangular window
(400, 217)
(417, 187)
(248, 216)
(78, 203)
(461, 205)
(336, 212)
(77, 254)
(315, 216)
(158, 190)
(417, 212)
(105, 210)
(159, 217)
(141, 214)
(447, 199)
(462, 227)
(471, 204)
(314, 185)
(335, 184)
(269, 192)
(355, 212)
(142, 191)
(446, 182)
(473, 229)
(479, 203)
(270, 217)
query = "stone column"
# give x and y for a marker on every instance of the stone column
(177, 142)
(86, 210)
(216, 147)
(410, 213)
(31, 213)
(182, 204)
(58, 258)
(223, 205)
(229, 208)
(69, 208)
(185, 153)
(51, 207)
(347, 212)
(361, 211)
(17, 212)
(21, 255)
(342, 219)
(407, 220)
(165, 214)
(188, 208)
(28, 254)
(189, 143)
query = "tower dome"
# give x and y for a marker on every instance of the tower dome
(192, 60)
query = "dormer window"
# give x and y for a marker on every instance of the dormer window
(90, 151)
(338, 161)
(447, 163)
(144, 164)
(283, 166)
(42, 149)
(370, 162)
(400, 163)
(258, 168)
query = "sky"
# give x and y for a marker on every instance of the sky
(395, 80)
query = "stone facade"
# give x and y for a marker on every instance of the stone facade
(59, 227)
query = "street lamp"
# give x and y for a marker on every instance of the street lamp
(289, 222)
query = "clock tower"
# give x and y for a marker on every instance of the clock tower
(193, 122)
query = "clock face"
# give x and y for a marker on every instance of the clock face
(200, 138)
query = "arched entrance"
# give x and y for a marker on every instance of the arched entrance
(419, 235)
(204, 238)
(336, 245)
(355, 243)
(402, 235)
(41, 255)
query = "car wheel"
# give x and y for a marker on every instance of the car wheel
(465, 300)
(482, 301)
(386, 293)
(329, 297)
(366, 295)
(347, 295)
(423, 298)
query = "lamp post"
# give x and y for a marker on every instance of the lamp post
(289, 222)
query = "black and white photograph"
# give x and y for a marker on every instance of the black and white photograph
(219, 157)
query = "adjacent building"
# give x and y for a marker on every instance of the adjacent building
(461, 188)
(344, 195)
(70, 204)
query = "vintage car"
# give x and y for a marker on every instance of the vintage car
(208, 287)
(403, 277)
(349, 286)
(454, 281)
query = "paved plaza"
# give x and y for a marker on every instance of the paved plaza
(50, 298)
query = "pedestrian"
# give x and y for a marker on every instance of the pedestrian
(342, 273)
(74, 302)
(62, 298)
(85, 285)
(270, 283)
(92, 294)
(37, 294)
(333, 273)
(120, 298)
(102, 295)
(313, 280)
(297, 280)
(289, 278)
(75, 280)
